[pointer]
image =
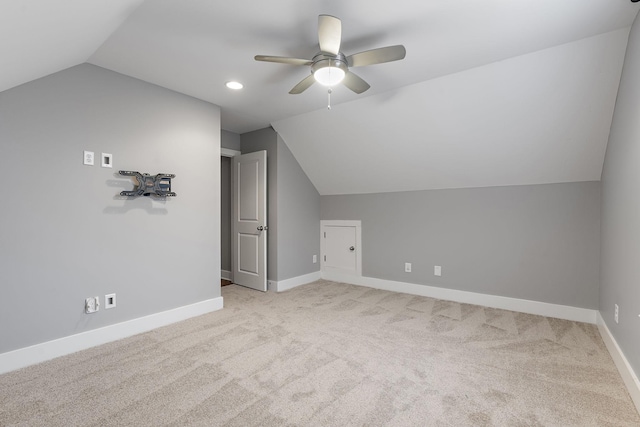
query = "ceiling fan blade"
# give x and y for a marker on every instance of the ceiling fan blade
(377, 56)
(355, 83)
(282, 60)
(329, 34)
(303, 85)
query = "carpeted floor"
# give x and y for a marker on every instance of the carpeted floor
(330, 354)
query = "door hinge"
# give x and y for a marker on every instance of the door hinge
(325, 234)
(325, 258)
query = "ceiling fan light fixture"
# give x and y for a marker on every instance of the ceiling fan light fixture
(329, 76)
(329, 70)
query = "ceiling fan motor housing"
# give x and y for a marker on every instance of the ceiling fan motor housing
(323, 59)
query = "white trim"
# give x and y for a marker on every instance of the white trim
(626, 371)
(23, 357)
(228, 152)
(342, 223)
(285, 285)
(226, 275)
(506, 303)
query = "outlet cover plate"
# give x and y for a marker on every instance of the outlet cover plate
(107, 160)
(88, 158)
(91, 305)
(109, 301)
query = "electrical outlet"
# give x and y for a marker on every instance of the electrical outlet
(407, 267)
(88, 158)
(91, 305)
(437, 270)
(315, 259)
(615, 312)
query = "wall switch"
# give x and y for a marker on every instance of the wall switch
(407, 267)
(437, 270)
(109, 301)
(88, 158)
(91, 304)
(615, 312)
(315, 259)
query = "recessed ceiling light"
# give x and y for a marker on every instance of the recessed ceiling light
(234, 85)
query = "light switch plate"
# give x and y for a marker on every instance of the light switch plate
(437, 270)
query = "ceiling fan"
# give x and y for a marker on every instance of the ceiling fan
(330, 66)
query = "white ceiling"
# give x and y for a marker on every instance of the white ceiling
(498, 92)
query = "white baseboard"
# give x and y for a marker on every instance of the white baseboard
(626, 371)
(287, 284)
(226, 275)
(506, 303)
(22, 357)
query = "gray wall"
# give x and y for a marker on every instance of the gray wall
(298, 218)
(293, 208)
(225, 213)
(66, 234)
(230, 140)
(267, 139)
(538, 242)
(620, 258)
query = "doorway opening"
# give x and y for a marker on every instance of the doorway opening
(226, 262)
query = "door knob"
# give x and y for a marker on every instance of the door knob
(352, 249)
(260, 228)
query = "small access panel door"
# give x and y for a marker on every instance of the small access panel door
(341, 242)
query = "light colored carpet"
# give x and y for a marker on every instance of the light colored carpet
(330, 354)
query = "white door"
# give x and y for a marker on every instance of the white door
(341, 254)
(249, 220)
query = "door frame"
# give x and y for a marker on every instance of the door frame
(227, 152)
(342, 223)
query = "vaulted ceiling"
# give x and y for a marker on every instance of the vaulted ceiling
(490, 93)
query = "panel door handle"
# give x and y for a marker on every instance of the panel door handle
(260, 228)
(352, 248)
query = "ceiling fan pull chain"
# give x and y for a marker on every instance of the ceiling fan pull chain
(329, 99)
